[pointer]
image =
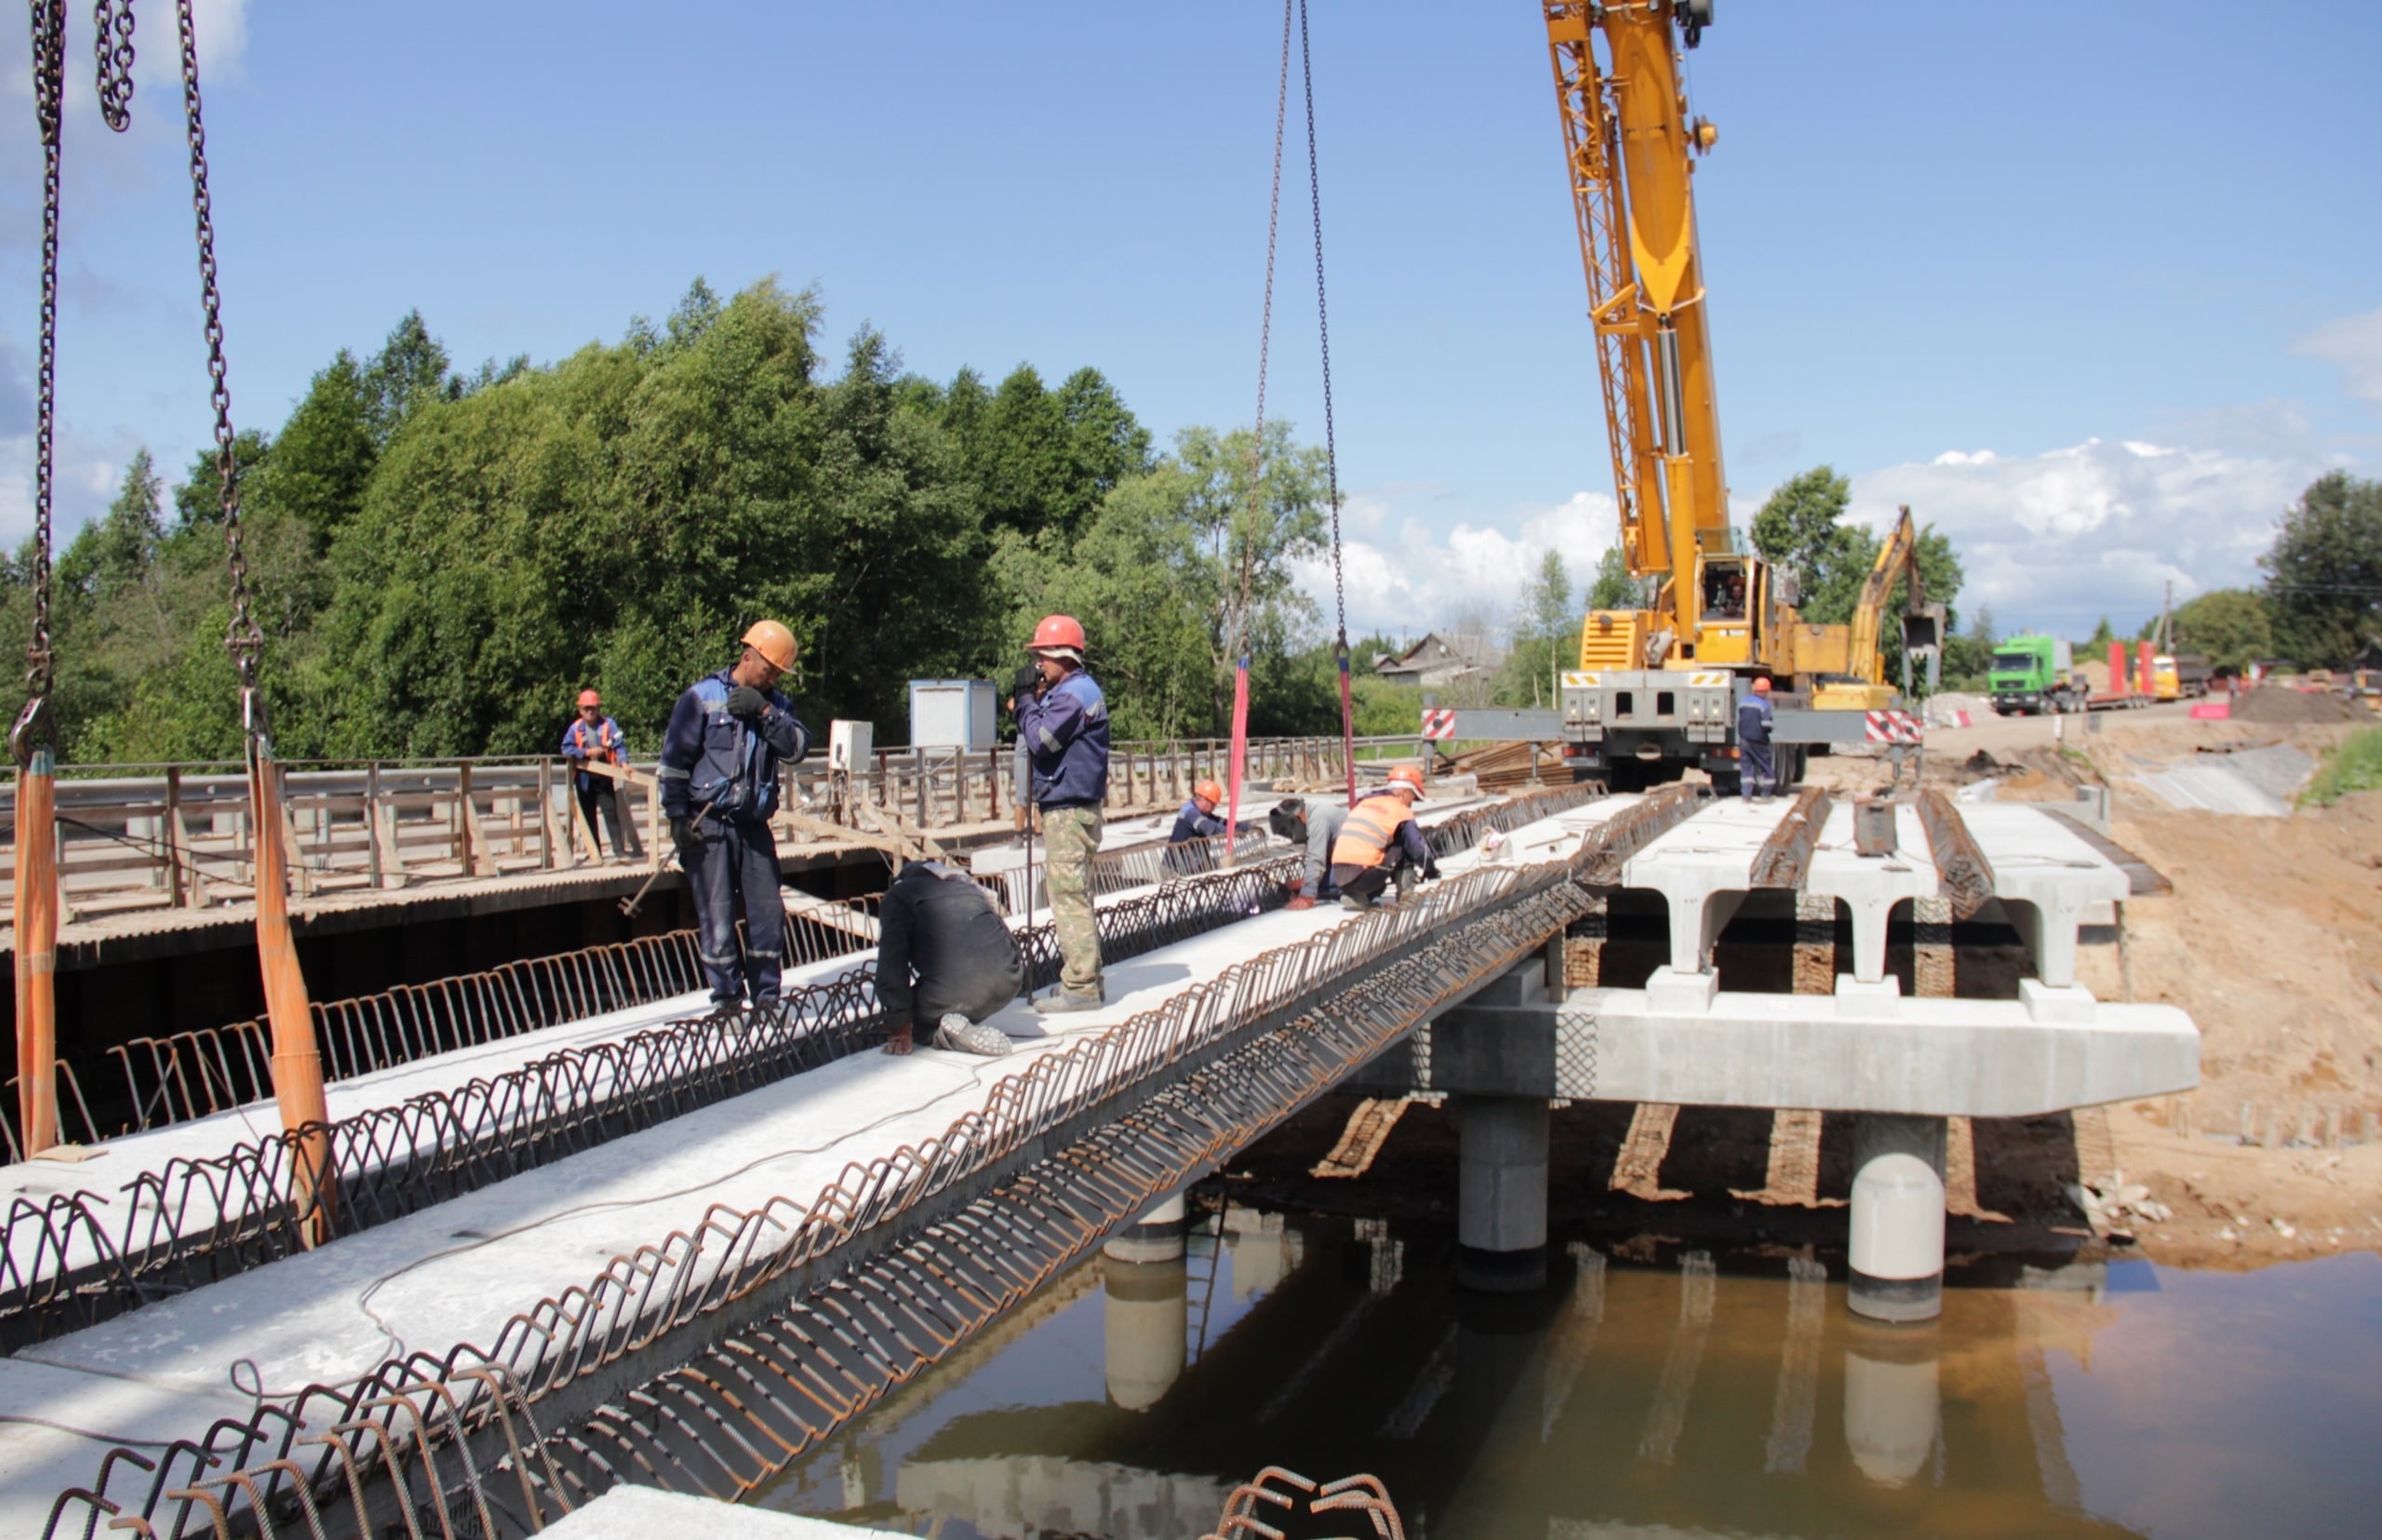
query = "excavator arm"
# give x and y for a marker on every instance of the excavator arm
(1922, 624)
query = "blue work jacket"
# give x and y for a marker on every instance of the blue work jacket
(1753, 719)
(1067, 741)
(580, 744)
(712, 760)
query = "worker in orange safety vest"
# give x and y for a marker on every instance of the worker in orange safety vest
(1381, 842)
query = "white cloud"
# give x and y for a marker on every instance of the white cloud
(2056, 539)
(1404, 574)
(2352, 345)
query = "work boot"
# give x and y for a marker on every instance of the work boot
(1350, 901)
(956, 1034)
(1063, 1002)
(1406, 878)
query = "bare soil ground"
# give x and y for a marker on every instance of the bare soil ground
(2271, 940)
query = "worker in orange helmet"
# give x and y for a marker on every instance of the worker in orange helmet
(719, 785)
(1195, 823)
(594, 737)
(1757, 777)
(1065, 729)
(1380, 842)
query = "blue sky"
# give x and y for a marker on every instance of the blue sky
(2092, 286)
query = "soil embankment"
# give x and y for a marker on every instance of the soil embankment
(2271, 940)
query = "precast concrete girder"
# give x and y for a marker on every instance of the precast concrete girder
(1932, 1057)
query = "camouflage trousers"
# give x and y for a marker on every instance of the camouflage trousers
(1071, 834)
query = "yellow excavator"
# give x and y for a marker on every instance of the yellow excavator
(1656, 687)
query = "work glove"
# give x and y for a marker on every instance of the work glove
(1299, 902)
(688, 834)
(745, 703)
(1296, 886)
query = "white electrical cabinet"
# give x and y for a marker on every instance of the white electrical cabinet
(850, 744)
(954, 714)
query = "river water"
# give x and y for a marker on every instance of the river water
(1651, 1390)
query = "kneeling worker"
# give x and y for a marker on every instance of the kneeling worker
(1197, 820)
(944, 954)
(1381, 841)
(1314, 828)
(719, 785)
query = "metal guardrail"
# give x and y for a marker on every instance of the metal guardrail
(180, 837)
(839, 1306)
(64, 1267)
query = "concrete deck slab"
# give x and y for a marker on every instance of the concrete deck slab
(641, 1513)
(458, 1272)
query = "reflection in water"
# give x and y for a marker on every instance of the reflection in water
(1789, 1446)
(1662, 1394)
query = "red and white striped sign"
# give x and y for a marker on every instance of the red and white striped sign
(1894, 727)
(1439, 724)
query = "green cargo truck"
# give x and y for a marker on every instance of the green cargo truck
(2032, 674)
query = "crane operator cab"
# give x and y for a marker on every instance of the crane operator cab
(1732, 605)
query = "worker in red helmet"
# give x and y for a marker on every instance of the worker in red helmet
(1065, 729)
(595, 738)
(1757, 776)
(1380, 842)
(1187, 850)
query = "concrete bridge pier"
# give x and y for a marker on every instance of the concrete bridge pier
(1501, 1201)
(1897, 1251)
(1158, 1236)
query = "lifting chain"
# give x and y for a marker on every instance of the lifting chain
(244, 639)
(111, 41)
(1323, 330)
(1264, 335)
(48, 17)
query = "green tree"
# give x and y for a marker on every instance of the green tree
(1800, 529)
(410, 372)
(2098, 644)
(1544, 622)
(324, 456)
(1968, 655)
(2230, 626)
(199, 500)
(1613, 587)
(2325, 571)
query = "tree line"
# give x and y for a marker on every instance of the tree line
(442, 558)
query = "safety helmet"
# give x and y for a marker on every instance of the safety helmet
(1059, 633)
(589, 698)
(774, 642)
(1209, 792)
(1761, 687)
(1408, 776)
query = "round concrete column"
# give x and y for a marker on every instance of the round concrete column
(1501, 1197)
(1892, 1400)
(1896, 1253)
(1156, 1236)
(1145, 1315)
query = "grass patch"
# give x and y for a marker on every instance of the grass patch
(2355, 766)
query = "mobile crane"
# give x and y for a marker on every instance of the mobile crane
(1656, 687)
